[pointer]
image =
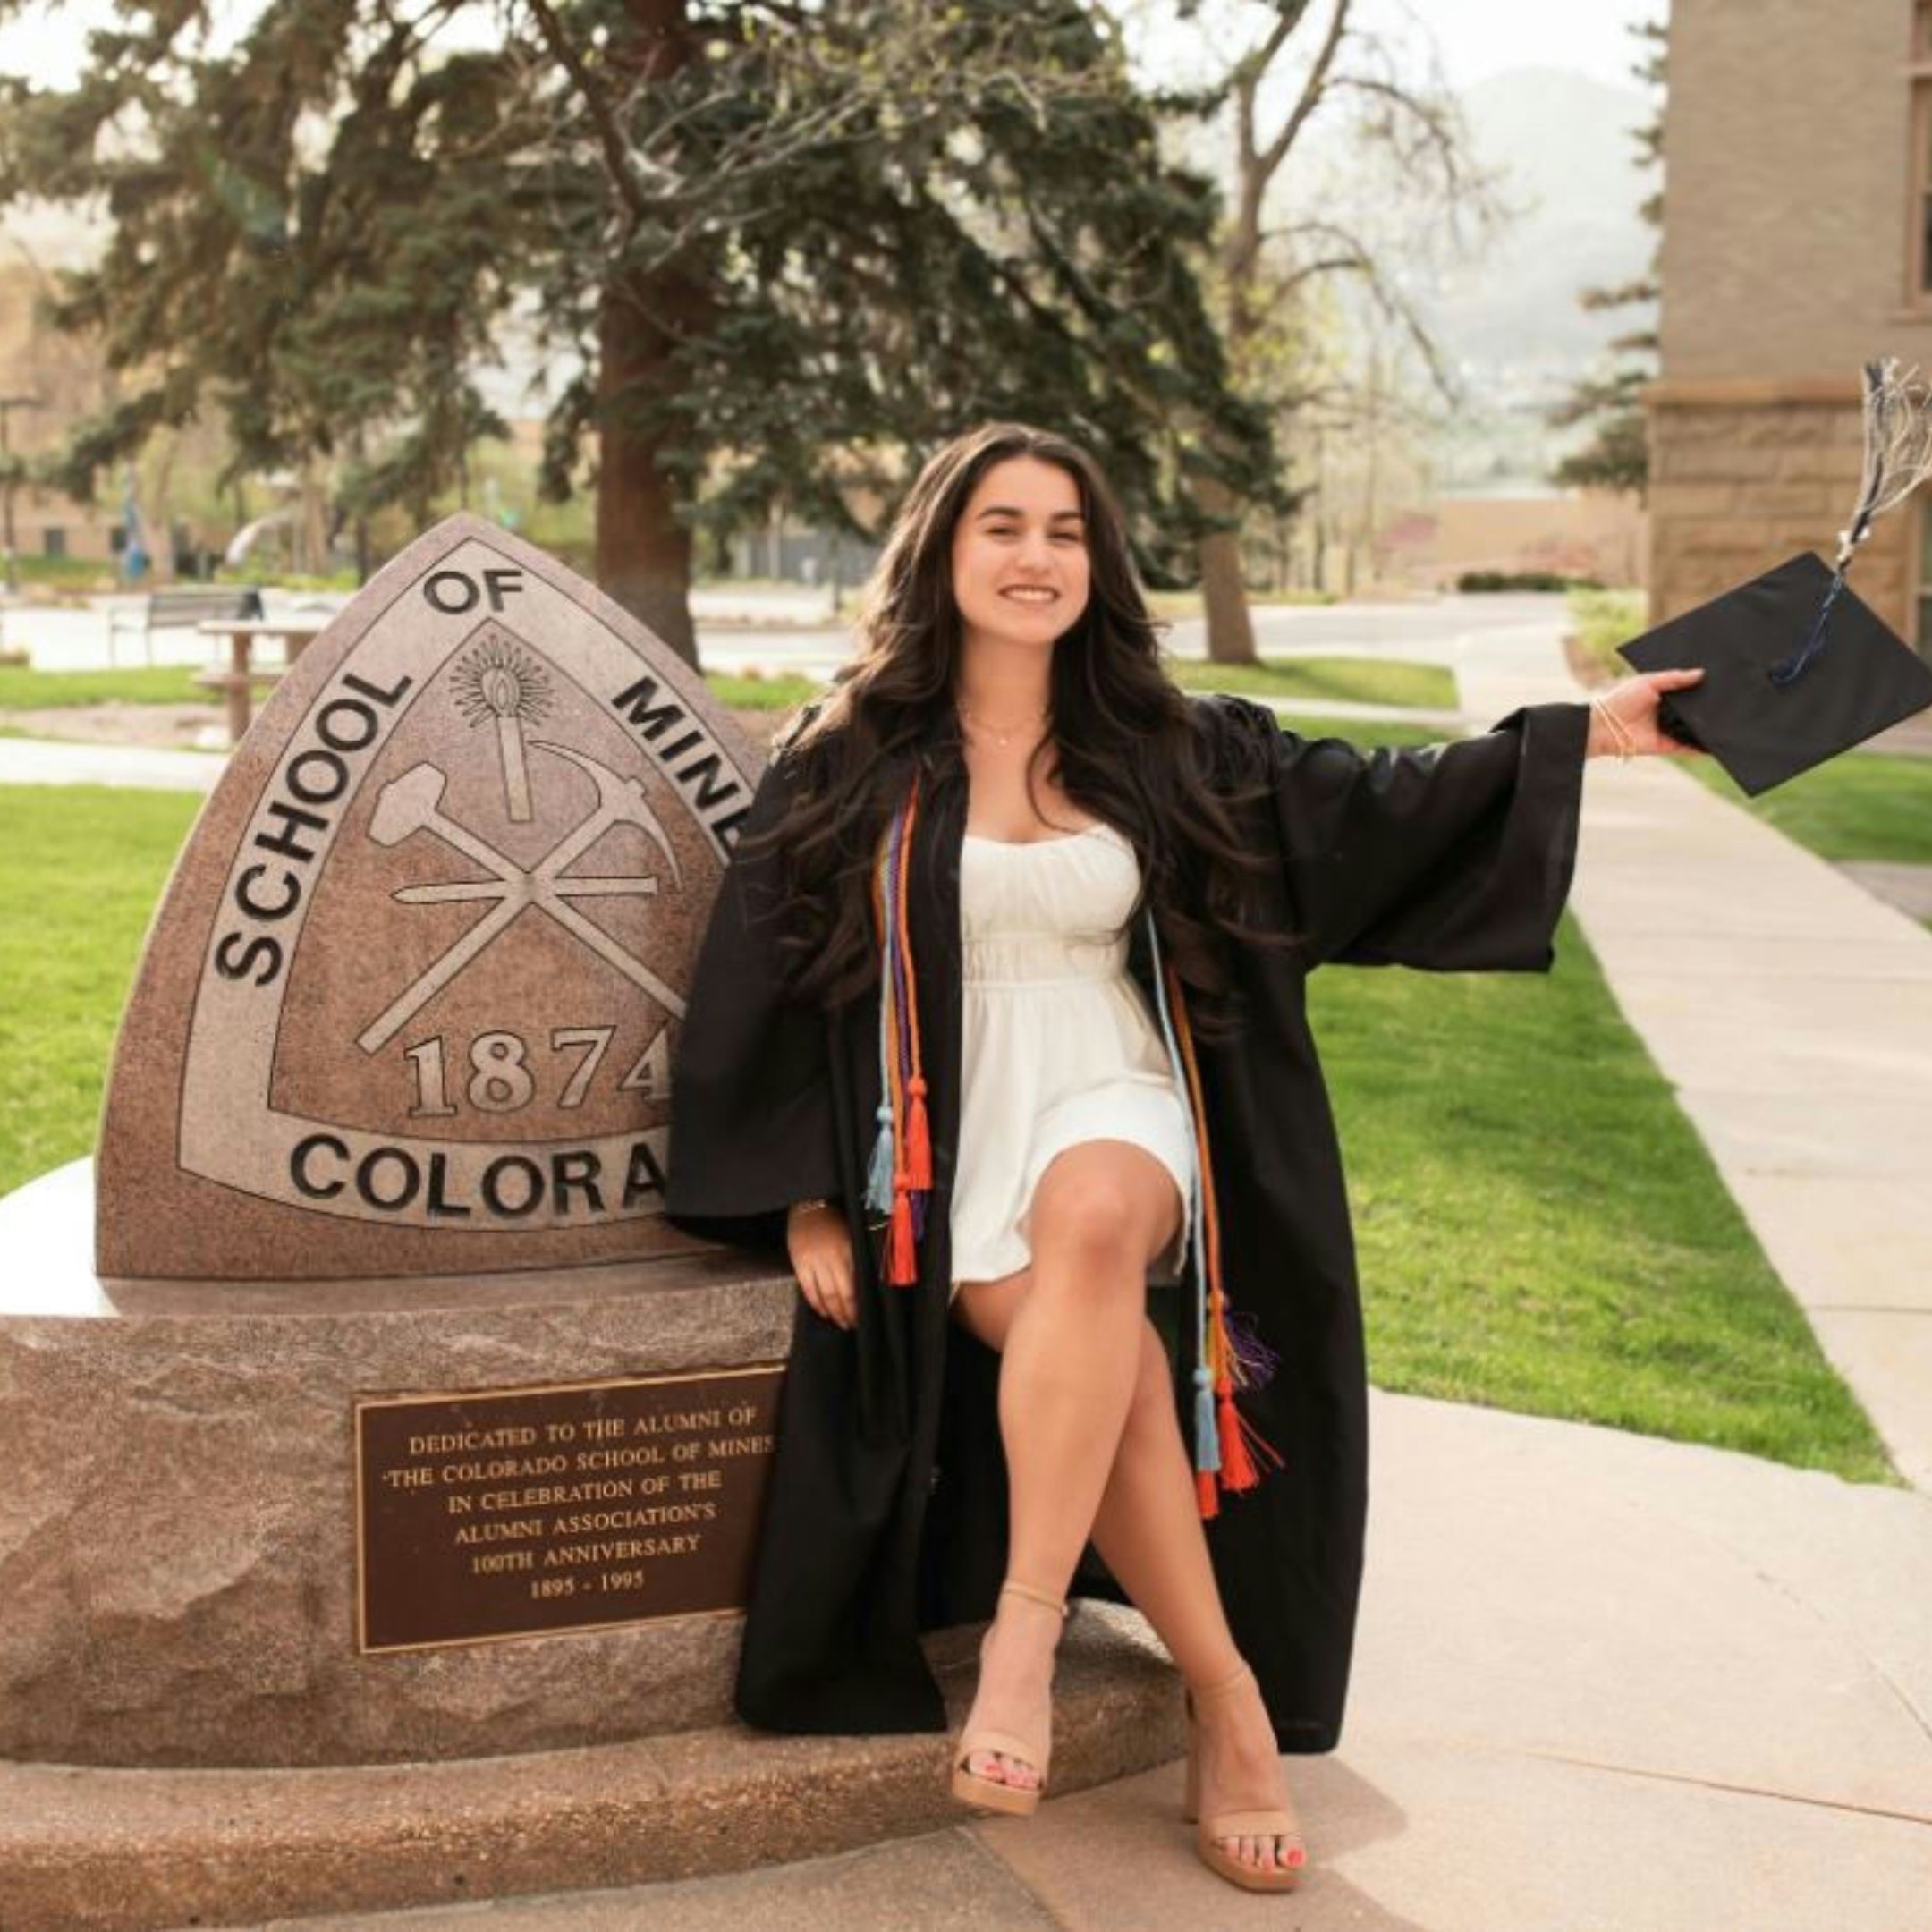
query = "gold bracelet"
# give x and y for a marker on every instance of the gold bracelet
(1620, 734)
(819, 1201)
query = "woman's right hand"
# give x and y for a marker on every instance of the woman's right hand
(821, 1249)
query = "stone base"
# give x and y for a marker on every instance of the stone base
(178, 1522)
(89, 1850)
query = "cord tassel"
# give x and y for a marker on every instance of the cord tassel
(879, 1194)
(898, 1178)
(1229, 1451)
(1206, 1436)
(901, 1265)
(919, 1137)
(1237, 1466)
(1251, 1362)
(1241, 1445)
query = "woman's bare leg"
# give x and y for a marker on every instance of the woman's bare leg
(1070, 1327)
(1147, 1531)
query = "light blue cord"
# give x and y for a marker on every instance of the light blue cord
(1207, 1435)
(879, 1175)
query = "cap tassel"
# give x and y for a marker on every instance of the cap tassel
(1205, 1499)
(1898, 458)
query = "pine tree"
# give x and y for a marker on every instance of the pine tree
(792, 247)
(1616, 457)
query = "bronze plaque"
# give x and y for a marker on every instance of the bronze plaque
(516, 1512)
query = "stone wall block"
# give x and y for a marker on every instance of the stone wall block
(205, 1614)
(1672, 500)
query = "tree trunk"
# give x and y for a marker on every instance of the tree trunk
(1230, 628)
(158, 510)
(643, 549)
(311, 520)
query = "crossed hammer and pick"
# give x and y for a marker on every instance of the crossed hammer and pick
(413, 804)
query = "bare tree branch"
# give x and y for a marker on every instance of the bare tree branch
(1312, 91)
(610, 137)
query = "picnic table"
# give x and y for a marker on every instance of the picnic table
(237, 681)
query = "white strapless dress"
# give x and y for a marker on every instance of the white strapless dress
(1059, 1044)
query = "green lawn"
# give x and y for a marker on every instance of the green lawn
(1540, 1227)
(22, 689)
(1362, 733)
(82, 870)
(1604, 619)
(762, 693)
(1363, 679)
(1358, 680)
(1864, 805)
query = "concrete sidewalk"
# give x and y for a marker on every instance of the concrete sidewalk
(1792, 1012)
(1604, 1683)
(65, 761)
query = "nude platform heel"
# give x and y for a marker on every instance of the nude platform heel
(1269, 1824)
(968, 1786)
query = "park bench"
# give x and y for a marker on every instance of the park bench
(164, 609)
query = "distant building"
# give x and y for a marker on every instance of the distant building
(1797, 246)
(49, 383)
(1573, 533)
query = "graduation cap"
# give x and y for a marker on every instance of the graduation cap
(1797, 667)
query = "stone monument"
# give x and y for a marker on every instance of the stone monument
(394, 1438)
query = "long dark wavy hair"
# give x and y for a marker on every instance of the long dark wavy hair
(1120, 739)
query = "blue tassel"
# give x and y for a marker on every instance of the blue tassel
(878, 1192)
(1207, 1435)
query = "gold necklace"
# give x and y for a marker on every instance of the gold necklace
(1002, 738)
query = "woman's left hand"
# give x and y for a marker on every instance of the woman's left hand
(1634, 705)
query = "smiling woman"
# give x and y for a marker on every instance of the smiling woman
(1004, 1090)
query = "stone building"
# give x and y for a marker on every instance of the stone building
(1797, 245)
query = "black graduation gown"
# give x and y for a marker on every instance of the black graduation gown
(886, 1510)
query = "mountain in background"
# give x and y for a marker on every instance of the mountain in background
(1509, 323)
